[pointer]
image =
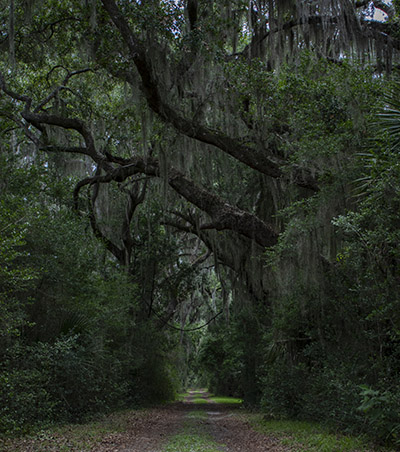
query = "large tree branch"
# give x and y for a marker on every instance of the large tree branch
(67, 149)
(253, 157)
(64, 123)
(238, 261)
(22, 125)
(223, 215)
(38, 120)
(27, 100)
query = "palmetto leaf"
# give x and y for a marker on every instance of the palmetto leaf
(389, 119)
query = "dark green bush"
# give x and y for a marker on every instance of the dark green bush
(24, 400)
(284, 388)
(381, 412)
(63, 381)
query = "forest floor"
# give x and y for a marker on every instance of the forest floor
(198, 423)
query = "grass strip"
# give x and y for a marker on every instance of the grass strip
(227, 400)
(200, 400)
(311, 436)
(194, 436)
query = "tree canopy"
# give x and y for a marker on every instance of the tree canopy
(163, 90)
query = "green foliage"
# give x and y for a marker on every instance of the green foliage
(311, 436)
(152, 377)
(20, 391)
(80, 330)
(221, 362)
(381, 413)
(284, 390)
(334, 327)
(52, 382)
(72, 341)
(15, 276)
(230, 356)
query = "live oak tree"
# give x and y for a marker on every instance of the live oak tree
(223, 133)
(179, 92)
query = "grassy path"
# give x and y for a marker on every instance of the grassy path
(198, 423)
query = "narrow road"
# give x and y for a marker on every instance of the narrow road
(200, 423)
(195, 425)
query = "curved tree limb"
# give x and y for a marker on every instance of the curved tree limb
(223, 215)
(173, 282)
(253, 157)
(109, 244)
(39, 120)
(66, 123)
(223, 255)
(63, 86)
(187, 330)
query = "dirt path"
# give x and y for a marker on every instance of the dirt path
(197, 424)
(236, 435)
(153, 431)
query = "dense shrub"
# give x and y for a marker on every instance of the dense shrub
(326, 395)
(24, 400)
(284, 387)
(381, 413)
(68, 380)
(52, 382)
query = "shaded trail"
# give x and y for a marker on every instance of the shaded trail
(197, 424)
(197, 415)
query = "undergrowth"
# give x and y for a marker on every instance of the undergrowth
(313, 437)
(70, 437)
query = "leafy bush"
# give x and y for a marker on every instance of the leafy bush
(381, 412)
(63, 381)
(284, 387)
(24, 400)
